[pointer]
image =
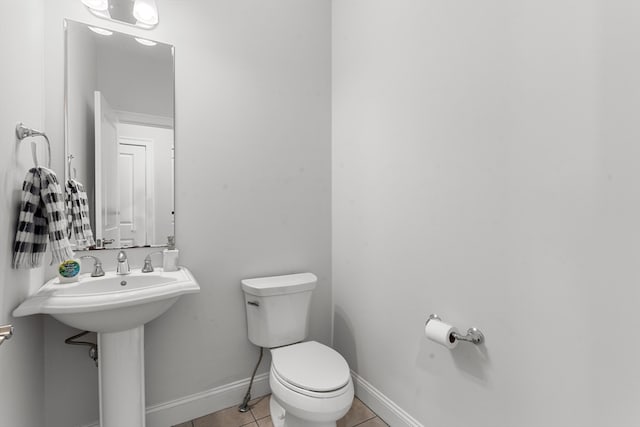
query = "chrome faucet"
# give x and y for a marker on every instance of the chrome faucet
(123, 264)
(148, 266)
(97, 266)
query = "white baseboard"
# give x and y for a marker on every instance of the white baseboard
(384, 407)
(199, 404)
(196, 405)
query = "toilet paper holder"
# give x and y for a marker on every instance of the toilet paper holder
(474, 335)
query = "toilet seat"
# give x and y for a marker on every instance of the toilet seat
(310, 368)
(305, 392)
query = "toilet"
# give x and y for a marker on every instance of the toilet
(310, 383)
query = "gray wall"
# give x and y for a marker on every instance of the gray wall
(252, 192)
(485, 166)
(21, 100)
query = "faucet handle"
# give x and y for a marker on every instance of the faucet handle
(97, 270)
(148, 267)
(97, 266)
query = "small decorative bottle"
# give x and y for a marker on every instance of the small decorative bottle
(68, 271)
(170, 255)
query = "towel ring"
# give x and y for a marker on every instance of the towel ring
(23, 132)
(6, 332)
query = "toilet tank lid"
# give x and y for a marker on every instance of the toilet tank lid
(280, 285)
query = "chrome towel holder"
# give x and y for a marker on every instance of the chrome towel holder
(23, 132)
(474, 335)
(6, 332)
(70, 157)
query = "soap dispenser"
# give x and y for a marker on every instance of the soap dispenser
(170, 255)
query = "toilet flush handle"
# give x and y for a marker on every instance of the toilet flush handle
(254, 303)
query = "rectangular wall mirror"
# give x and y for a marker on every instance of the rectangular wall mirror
(119, 133)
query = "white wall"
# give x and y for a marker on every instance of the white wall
(485, 166)
(252, 189)
(22, 100)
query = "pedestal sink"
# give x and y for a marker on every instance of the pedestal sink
(116, 307)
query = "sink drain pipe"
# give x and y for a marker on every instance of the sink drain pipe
(244, 407)
(93, 348)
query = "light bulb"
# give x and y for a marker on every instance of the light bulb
(145, 11)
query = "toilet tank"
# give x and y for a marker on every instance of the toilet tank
(278, 308)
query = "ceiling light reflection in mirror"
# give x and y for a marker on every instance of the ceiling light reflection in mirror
(101, 31)
(145, 42)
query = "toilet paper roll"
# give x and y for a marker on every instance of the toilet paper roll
(440, 332)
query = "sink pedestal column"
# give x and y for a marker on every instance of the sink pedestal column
(121, 377)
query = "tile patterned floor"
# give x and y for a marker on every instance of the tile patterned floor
(359, 415)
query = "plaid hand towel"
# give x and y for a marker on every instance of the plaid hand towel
(78, 210)
(42, 216)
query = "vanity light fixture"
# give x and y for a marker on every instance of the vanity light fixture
(97, 5)
(139, 13)
(146, 12)
(145, 41)
(101, 31)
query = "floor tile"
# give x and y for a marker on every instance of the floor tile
(374, 422)
(265, 422)
(260, 407)
(229, 417)
(356, 415)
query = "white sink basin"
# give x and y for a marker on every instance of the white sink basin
(110, 303)
(116, 307)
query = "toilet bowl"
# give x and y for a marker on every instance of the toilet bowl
(310, 383)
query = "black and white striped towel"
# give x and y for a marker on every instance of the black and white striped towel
(78, 213)
(42, 218)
